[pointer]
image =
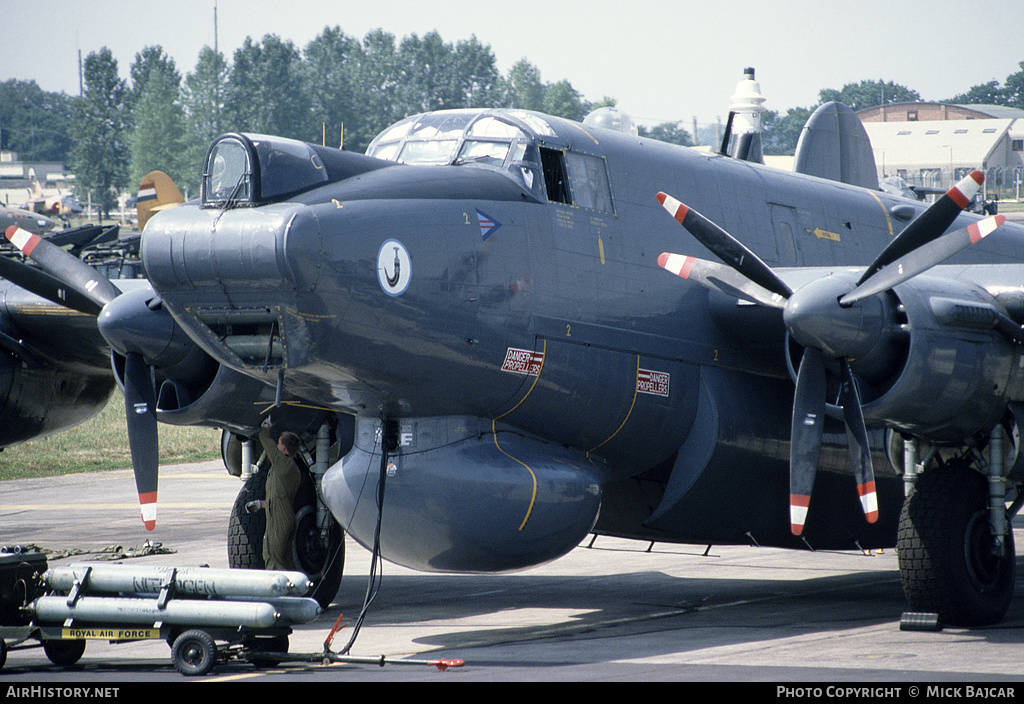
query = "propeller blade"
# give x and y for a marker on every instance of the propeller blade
(805, 441)
(718, 277)
(36, 281)
(860, 450)
(930, 224)
(923, 258)
(725, 246)
(67, 268)
(140, 411)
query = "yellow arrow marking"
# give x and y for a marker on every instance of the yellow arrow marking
(824, 234)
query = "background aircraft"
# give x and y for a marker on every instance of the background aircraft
(33, 222)
(156, 192)
(487, 315)
(59, 204)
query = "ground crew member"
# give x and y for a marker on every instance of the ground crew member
(282, 485)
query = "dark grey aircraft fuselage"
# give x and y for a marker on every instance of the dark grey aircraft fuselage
(493, 295)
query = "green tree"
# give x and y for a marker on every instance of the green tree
(780, 134)
(34, 123)
(331, 68)
(100, 155)
(671, 132)
(203, 98)
(1014, 88)
(869, 94)
(266, 92)
(1010, 94)
(477, 74)
(562, 100)
(427, 74)
(990, 93)
(523, 87)
(377, 78)
(151, 58)
(160, 140)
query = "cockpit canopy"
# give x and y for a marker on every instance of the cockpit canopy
(544, 156)
(457, 136)
(249, 169)
(521, 143)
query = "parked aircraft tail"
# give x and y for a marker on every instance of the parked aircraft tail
(157, 192)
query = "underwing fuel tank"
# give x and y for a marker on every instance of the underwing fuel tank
(191, 581)
(463, 495)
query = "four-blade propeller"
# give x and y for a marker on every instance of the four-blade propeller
(829, 318)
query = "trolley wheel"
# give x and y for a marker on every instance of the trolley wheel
(194, 652)
(64, 653)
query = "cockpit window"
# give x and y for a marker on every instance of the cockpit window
(589, 180)
(245, 169)
(515, 141)
(492, 153)
(449, 137)
(492, 127)
(228, 175)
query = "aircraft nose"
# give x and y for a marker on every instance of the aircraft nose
(271, 247)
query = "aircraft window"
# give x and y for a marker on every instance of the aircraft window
(554, 175)
(441, 126)
(535, 122)
(492, 153)
(428, 152)
(494, 128)
(396, 131)
(589, 180)
(227, 175)
(387, 151)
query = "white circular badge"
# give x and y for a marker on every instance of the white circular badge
(394, 268)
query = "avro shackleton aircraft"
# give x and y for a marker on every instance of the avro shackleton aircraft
(538, 328)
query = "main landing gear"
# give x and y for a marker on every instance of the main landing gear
(318, 548)
(955, 546)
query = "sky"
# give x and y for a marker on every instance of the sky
(663, 61)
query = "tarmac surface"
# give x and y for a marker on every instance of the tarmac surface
(615, 611)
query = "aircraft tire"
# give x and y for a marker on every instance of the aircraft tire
(323, 564)
(945, 566)
(245, 530)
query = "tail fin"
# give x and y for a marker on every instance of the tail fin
(36, 190)
(156, 193)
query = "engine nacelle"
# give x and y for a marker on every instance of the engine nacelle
(40, 400)
(957, 369)
(461, 498)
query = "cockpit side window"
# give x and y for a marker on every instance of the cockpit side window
(553, 164)
(589, 179)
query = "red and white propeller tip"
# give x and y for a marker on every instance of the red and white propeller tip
(22, 239)
(966, 188)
